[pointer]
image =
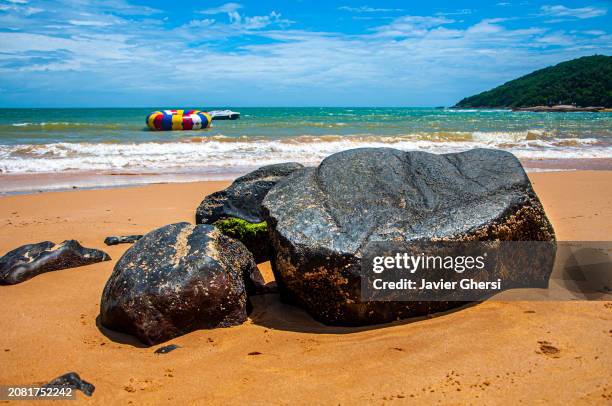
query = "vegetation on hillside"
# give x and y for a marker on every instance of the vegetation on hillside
(585, 81)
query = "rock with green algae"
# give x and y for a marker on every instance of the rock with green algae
(242, 200)
(253, 235)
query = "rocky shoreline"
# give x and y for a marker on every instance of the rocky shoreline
(563, 108)
(313, 224)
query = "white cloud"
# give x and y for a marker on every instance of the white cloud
(366, 9)
(201, 23)
(594, 32)
(463, 11)
(559, 39)
(582, 13)
(246, 22)
(19, 7)
(487, 26)
(89, 23)
(410, 26)
(234, 17)
(422, 57)
(222, 9)
(258, 22)
(88, 49)
(116, 6)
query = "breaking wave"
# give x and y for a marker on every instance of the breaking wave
(216, 153)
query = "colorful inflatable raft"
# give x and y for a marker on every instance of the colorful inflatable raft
(168, 120)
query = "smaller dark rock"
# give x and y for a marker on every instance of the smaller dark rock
(176, 279)
(166, 349)
(74, 381)
(27, 261)
(244, 196)
(240, 204)
(122, 239)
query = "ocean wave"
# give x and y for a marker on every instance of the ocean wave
(218, 152)
(439, 136)
(63, 125)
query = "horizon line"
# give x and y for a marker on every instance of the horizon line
(232, 107)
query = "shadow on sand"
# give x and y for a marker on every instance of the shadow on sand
(269, 311)
(119, 337)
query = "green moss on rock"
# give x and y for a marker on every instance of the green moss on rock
(253, 235)
(241, 229)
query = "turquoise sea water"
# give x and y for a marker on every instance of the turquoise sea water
(73, 140)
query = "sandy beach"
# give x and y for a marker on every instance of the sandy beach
(490, 353)
(427, 186)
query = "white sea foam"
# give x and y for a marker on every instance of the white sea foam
(217, 153)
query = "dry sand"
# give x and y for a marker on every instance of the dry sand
(490, 353)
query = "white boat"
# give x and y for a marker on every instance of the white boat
(224, 115)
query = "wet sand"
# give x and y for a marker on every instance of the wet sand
(27, 183)
(489, 353)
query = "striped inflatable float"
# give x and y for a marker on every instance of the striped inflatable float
(169, 120)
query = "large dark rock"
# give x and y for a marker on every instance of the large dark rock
(74, 381)
(242, 200)
(321, 219)
(27, 261)
(177, 279)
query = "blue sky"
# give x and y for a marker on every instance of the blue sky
(68, 53)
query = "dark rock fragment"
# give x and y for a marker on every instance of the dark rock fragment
(74, 381)
(27, 261)
(166, 349)
(122, 239)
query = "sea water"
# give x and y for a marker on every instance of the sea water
(116, 140)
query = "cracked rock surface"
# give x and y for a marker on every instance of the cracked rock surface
(321, 219)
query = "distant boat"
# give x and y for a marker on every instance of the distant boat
(177, 120)
(224, 115)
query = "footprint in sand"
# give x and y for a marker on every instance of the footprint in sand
(129, 388)
(548, 349)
